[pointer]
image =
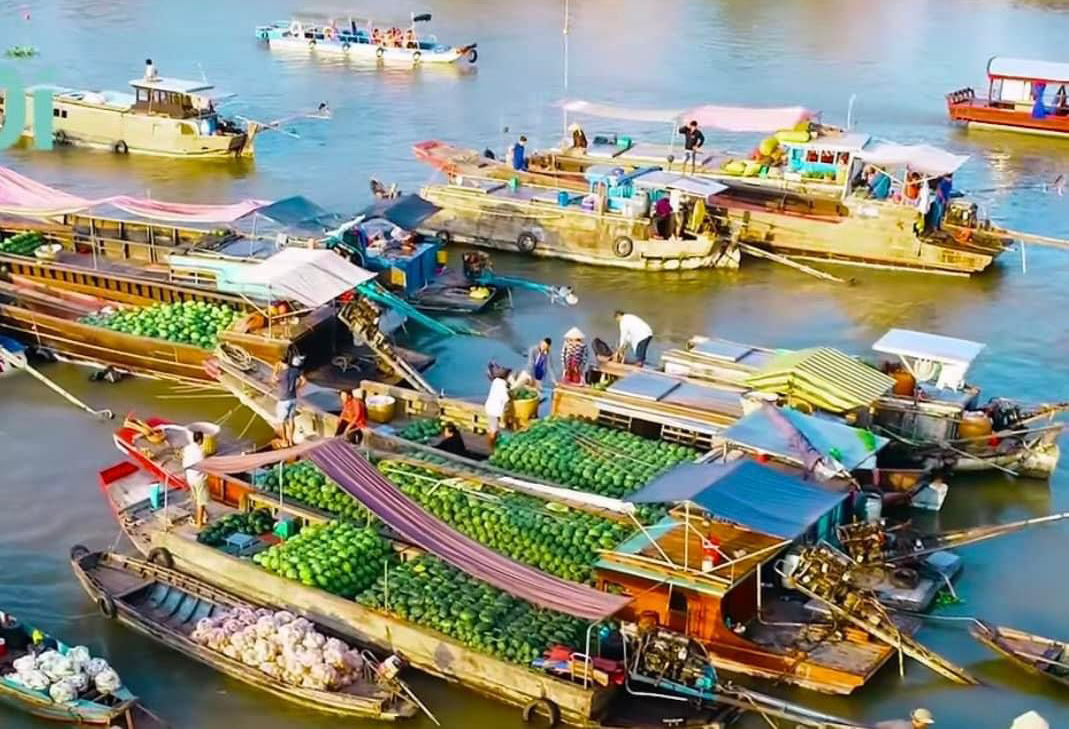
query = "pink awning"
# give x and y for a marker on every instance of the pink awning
(724, 118)
(19, 195)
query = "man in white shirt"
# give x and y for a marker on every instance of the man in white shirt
(192, 454)
(150, 71)
(496, 402)
(634, 333)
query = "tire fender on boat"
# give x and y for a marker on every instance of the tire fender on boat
(905, 578)
(264, 35)
(345, 46)
(444, 237)
(542, 707)
(312, 43)
(417, 57)
(526, 241)
(161, 556)
(61, 138)
(473, 56)
(106, 606)
(623, 246)
(380, 52)
(121, 147)
(78, 551)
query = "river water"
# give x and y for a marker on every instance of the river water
(898, 58)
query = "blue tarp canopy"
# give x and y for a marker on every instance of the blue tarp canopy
(852, 447)
(756, 497)
(407, 211)
(299, 215)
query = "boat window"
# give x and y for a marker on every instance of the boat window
(187, 130)
(55, 112)
(143, 95)
(677, 602)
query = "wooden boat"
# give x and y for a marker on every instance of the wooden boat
(364, 39)
(165, 605)
(1023, 95)
(165, 117)
(91, 708)
(611, 228)
(12, 356)
(1043, 656)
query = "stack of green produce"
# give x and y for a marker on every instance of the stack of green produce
(303, 482)
(252, 523)
(339, 557)
(428, 592)
(22, 244)
(421, 431)
(189, 322)
(588, 457)
(518, 526)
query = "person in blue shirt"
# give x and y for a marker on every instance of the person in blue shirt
(519, 154)
(879, 184)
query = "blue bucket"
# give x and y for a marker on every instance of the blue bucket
(155, 496)
(563, 198)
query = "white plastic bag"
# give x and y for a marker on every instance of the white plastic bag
(107, 681)
(95, 666)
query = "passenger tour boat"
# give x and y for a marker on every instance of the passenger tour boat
(364, 39)
(1022, 96)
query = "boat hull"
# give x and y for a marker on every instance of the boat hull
(979, 113)
(279, 38)
(1026, 650)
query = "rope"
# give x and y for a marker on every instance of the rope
(237, 356)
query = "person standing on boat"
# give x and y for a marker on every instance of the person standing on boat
(693, 140)
(288, 380)
(919, 719)
(496, 401)
(573, 356)
(539, 364)
(879, 184)
(192, 454)
(634, 333)
(577, 140)
(519, 154)
(150, 71)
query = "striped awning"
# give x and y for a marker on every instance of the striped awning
(824, 378)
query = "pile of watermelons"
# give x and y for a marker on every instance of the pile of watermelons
(22, 244)
(564, 544)
(303, 482)
(253, 523)
(422, 431)
(339, 557)
(588, 457)
(429, 592)
(188, 322)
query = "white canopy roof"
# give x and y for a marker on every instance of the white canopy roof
(922, 158)
(311, 277)
(1029, 70)
(933, 347)
(174, 85)
(723, 118)
(661, 180)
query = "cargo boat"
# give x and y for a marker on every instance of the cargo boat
(1018, 92)
(166, 605)
(364, 39)
(164, 117)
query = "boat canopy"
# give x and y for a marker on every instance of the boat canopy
(311, 277)
(173, 85)
(931, 356)
(852, 142)
(853, 448)
(923, 158)
(407, 211)
(753, 496)
(298, 215)
(660, 180)
(1028, 70)
(824, 378)
(723, 118)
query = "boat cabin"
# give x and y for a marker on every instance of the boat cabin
(937, 363)
(175, 98)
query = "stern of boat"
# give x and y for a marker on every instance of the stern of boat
(958, 101)
(1040, 460)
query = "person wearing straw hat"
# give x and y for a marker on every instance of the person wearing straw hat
(577, 140)
(1030, 720)
(919, 719)
(573, 356)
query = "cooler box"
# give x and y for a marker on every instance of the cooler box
(240, 544)
(287, 528)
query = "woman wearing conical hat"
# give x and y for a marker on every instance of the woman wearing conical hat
(573, 356)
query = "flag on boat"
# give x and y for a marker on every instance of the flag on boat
(761, 120)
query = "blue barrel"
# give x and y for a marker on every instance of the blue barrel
(563, 198)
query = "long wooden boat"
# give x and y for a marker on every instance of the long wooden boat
(1043, 656)
(164, 117)
(165, 605)
(793, 218)
(1011, 101)
(91, 708)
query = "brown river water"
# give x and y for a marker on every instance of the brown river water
(898, 58)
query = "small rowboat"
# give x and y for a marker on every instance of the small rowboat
(1035, 653)
(166, 605)
(92, 708)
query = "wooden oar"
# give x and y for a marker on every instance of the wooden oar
(27, 367)
(784, 261)
(965, 537)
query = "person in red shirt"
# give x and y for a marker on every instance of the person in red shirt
(353, 416)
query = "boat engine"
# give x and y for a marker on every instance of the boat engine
(1005, 414)
(962, 213)
(670, 660)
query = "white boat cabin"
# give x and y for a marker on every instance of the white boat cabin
(931, 358)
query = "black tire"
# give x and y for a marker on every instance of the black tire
(78, 552)
(380, 52)
(623, 246)
(61, 138)
(161, 556)
(312, 43)
(905, 578)
(542, 707)
(417, 57)
(526, 242)
(263, 35)
(444, 237)
(106, 606)
(121, 147)
(473, 56)
(345, 46)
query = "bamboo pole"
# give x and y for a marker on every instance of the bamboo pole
(784, 261)
(104, 414)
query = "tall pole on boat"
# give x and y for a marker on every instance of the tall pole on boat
(567, 4)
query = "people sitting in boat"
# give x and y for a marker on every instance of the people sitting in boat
(14, 635)
(395, 37)
(376, 36)
(912, 189)
(452, 441)
(40, 643)
(150, 70)
(353, 416)
(879, 184)
(519, 154)
(410, 39)
(662, 218)
(578, 140)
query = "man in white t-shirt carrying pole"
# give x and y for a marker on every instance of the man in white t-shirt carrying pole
(634, 333)
(192, 454)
